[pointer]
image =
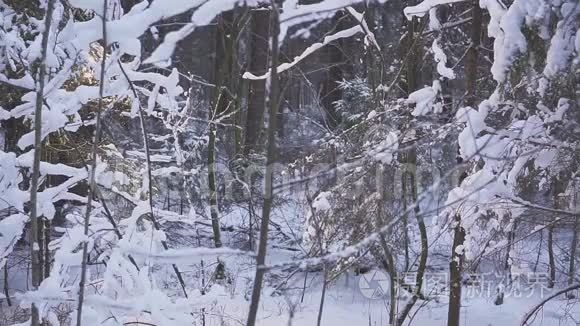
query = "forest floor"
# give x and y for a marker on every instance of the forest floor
(347, 305)
(350, 300)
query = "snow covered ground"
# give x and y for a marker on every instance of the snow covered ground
(345, 305)
(347, 300)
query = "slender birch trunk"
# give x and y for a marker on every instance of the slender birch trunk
(551, 258)
(455, 271)
(573, 248)
(270, 159)
(412, 71)
(388, 261)
(573, 244)
(213, 202)
(405, 225)
(322, 296)
(260, 30)
(223, 65)
(6, 291)
(390, 266)
(455, 266)
(539, 254)
(91, 180)
(472, 58)
(36, 268)
(416, 292)
(256, 97)
(508, 257)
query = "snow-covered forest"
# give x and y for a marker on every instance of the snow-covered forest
(289, 162)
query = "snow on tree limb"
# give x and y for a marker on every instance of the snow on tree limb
(360, 18)
(423, 8)
(309, 50)
(441, 60)
(174, 256)
(293, 12)
(12, 228)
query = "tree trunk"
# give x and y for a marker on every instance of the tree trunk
(551, 259)
(256, 97)
(412, 71)
(388, 260)
(91, 177)
(508, 257)
(405, 221)
(219, 105)
(455, 269)
(213, 202)
(6, 289)
(336, 65)
(390, 267)
(44, 223)
(224, 98)
(41, 242)
(411, 159)
(257, 88)
(558, 187)
(539, 251)
(473, 53)
(372, 72)
(322, 296)
(36, 268)
(223, 62)
(46, 238)
(237, 82)
(455, 266)
(573, 248)
(270, 160)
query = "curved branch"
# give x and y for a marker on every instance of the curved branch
(537, 307)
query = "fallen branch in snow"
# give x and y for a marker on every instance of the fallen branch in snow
(537, 307)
